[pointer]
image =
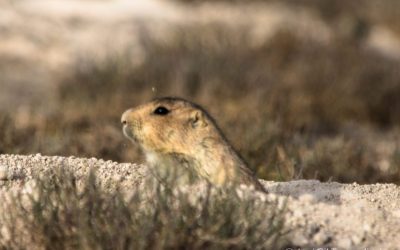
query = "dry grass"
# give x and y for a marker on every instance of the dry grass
(60, 212)
(293, 107)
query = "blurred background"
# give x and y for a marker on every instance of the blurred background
(302, 88)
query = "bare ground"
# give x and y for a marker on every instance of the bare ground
(319, 214)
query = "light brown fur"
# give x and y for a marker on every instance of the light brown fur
(186, 137)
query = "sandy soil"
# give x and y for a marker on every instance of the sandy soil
(319, 214)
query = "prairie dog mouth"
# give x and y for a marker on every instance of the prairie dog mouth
(128, 132)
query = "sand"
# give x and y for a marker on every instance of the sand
(318, 214)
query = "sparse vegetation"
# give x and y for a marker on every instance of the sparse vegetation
(59, 211)
(294, 105)
(295, 108)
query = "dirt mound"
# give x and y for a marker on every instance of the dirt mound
(319, 214)
(342, 215)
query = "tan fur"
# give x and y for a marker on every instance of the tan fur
(186, 138)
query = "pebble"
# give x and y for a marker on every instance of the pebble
(367, 227)
(356, 239)
(321, 238)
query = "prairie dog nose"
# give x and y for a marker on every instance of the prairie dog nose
(124, 117)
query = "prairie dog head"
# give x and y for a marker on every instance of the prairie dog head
(167, 125)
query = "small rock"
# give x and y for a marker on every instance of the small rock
(356, 239)
(367, 227)
(321, 238)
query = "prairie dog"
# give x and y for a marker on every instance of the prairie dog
(176, 133)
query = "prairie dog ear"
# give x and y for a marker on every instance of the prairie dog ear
(197, 119)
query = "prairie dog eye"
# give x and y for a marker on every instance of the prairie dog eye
(161, 111)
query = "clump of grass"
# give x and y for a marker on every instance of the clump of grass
(60, 212)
